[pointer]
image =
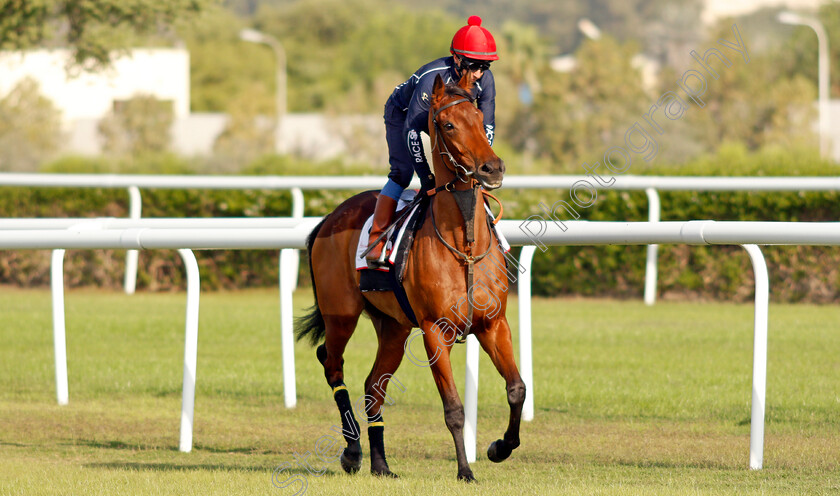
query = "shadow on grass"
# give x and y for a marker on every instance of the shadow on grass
(121, 445)
(178, 467)
(658, 464)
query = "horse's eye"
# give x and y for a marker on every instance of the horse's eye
(448, 126)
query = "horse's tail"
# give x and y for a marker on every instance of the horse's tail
(312, 324)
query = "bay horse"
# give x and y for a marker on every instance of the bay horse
(450, 277)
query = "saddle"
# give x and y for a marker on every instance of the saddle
(399, 243)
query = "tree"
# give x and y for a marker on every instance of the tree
(246, 137)
(93, 29)
(138, 126)
(339, 50)
(758, 102)
(802, 49)
(579, 114)
(30, 127)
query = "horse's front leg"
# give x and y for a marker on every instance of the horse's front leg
(496, 342)
(438, 341)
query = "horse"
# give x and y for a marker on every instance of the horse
(453, 267)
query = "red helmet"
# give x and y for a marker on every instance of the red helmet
(474, 42)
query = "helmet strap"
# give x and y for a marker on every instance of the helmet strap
(457, 62)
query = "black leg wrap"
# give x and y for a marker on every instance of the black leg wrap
(498, 451)
(349, 425)
(351, 457)
(376, 436)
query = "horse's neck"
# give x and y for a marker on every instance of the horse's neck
(451, 222)
(448, 215)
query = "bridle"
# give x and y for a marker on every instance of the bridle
(461, 172)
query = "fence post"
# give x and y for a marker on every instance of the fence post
(651, 270)
(471, 398)
(190, 349)
(759, 387)
(287, 277)
(59, 334)
(526, 361)
(135, 206)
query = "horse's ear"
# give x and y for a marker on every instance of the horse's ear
(466, 81)
(438, 87)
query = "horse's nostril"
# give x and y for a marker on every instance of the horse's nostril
(486, 169)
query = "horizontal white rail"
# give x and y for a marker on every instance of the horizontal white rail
(699, 232)
(625, 182)
(193, 181)
(681, 183)
(146, 239)
(277, 233)
(157, 223)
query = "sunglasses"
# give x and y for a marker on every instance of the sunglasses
(475, 65)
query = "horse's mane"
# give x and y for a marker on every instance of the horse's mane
(453, 89)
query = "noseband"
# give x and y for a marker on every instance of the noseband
(461, 172)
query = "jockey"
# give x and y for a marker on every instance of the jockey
(407, 113)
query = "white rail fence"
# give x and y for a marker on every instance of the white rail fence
(198, 234)
(296, 184)
(105, 234)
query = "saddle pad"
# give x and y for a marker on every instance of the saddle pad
(396, 235)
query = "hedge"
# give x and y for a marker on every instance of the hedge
(720, 272)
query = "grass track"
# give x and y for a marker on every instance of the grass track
(630, 400)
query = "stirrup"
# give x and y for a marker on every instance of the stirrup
(381, 262)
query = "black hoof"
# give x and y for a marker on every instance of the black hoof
(466, 477)
(351, 462)
(498, 451)
(384, 473)
(321, 353)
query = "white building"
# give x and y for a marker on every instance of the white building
(717, 9)
(85, 98)
(161, 72)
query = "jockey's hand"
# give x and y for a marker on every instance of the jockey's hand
(427, 183)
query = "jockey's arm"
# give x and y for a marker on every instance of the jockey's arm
(416, 122)
(487, 105)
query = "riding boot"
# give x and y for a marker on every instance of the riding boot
(383, 216)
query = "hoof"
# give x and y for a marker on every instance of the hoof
(350, 462)
(466, 476)
(384, 473)
(379, 468)
(498, 451)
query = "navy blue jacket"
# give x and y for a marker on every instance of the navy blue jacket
(413, 98)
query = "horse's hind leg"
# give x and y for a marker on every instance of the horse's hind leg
(392, 338)
(330, 354)
(496, 342)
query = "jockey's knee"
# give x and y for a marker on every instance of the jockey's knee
(392, 189)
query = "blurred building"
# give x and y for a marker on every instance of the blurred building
(162, 73)
(716, 9)
(85, 98)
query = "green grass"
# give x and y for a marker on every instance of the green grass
(630, 400)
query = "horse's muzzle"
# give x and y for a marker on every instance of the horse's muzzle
(491, 173)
